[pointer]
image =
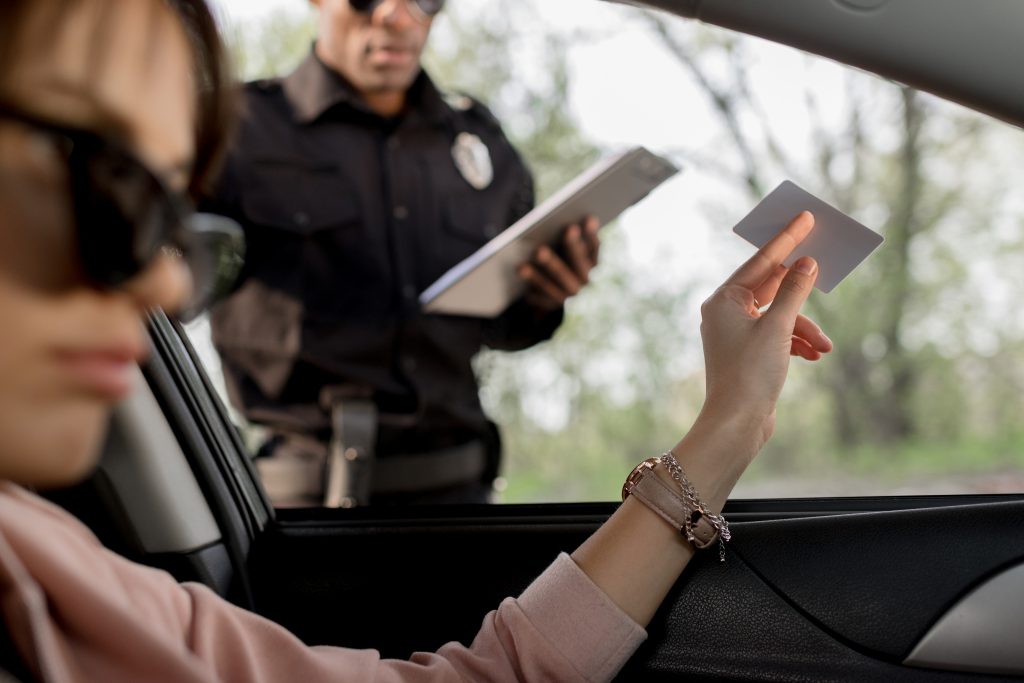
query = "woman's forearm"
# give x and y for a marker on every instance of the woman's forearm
(636, 556)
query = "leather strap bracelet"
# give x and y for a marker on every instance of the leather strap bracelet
(690, 518)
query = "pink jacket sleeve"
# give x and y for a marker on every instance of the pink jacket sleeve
(81, 613)
(562, 628)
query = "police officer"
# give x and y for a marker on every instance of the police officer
(359, 184)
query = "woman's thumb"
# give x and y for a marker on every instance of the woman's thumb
(794, 289)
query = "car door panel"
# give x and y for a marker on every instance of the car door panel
(402, 584)
(841, 597)
(889, 575)
(982, 632)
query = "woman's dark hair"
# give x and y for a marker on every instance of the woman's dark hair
(217, 94)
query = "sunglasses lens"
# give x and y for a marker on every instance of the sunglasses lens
(123, 214)
(430, 7)
(125, 217)
(363, 5)
(214, 250)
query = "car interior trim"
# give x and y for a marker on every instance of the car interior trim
(154, 483)
(981, 632)
(917, 42)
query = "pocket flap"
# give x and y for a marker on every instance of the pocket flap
(470, 220)
(300, 200)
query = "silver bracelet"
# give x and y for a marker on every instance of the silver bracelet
(692, 503)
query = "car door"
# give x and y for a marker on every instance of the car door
(843, 589)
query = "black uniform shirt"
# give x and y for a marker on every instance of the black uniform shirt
(348, 217)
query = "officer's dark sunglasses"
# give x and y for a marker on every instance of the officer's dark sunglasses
(428, 8)
(125, 216)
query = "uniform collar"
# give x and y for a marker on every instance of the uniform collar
(314, 88)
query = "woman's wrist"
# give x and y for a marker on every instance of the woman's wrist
(743, 429)
(716, 451)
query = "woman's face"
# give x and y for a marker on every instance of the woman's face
(120, 68)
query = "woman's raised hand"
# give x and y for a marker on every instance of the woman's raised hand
(636, 557)
(747, 347)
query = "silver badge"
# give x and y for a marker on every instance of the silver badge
(458, 101)
(473, 160)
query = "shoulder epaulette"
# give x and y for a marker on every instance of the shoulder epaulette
(263, 84)
(466, 104)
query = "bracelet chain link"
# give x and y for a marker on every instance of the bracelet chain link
(692, 503)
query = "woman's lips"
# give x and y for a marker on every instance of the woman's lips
(105, 373)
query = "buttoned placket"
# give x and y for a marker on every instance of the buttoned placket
(399, 212)
(398, 170)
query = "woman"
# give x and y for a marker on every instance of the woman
(112, 112)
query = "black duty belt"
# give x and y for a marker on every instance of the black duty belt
(431, 470)
(296, 471)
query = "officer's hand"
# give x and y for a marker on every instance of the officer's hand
(553, 280)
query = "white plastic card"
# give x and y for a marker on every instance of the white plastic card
(838, 243)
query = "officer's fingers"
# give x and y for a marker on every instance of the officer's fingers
(590, 226)
(541, 284)
(539, 300)
(557, 270)
(579, 254)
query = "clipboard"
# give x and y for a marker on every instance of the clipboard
(485, 283)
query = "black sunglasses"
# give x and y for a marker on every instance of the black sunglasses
(428, 8)
(125, 216)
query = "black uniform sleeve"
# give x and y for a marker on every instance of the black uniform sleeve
(522, 326)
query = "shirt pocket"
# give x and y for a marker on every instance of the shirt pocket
(473, 218)
(306, 226)
(467, 223)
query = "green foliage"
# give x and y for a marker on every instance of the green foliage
(602, 395)
(273, 45)
(478, 54)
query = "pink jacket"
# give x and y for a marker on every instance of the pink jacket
(78, 612)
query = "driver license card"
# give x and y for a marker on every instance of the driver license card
(837, 242)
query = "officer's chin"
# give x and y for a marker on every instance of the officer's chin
(396, 80)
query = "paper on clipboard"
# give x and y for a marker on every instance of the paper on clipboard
(486, 283)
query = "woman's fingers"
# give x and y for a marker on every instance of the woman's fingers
(799, 347)
(793, 292)
(765, 293)
(761, 266)
(807, 330)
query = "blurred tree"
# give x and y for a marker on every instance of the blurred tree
(480, 51)
(271, 45)
(877, 160)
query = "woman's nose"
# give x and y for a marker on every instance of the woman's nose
(166, 283)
